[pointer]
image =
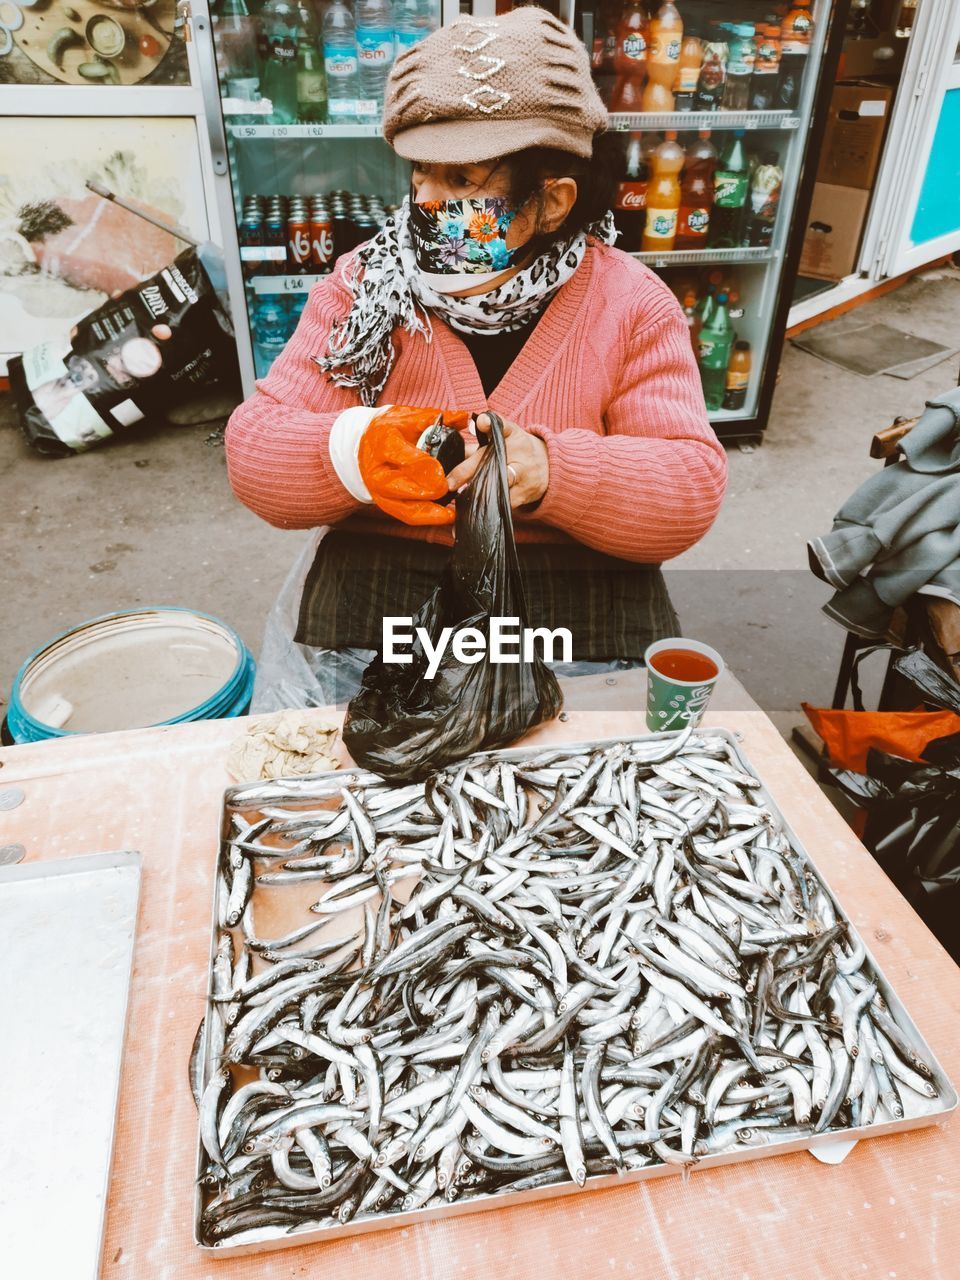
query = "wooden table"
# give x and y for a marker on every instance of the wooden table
(889, 1212)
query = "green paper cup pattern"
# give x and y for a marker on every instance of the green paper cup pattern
(673, 703)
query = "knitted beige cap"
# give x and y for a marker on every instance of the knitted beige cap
(488, 87)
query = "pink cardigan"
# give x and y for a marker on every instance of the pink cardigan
(607, 380)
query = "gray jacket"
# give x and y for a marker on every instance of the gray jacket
(899, 534)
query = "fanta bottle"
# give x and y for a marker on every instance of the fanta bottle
(696, 194)
(692, 317)
(663, 197)
(657, 97)
(630, 59)
(666, 37)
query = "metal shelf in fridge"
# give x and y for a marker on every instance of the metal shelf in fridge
(638, 121)
(279, 131)
(696, 257)
(285, 284)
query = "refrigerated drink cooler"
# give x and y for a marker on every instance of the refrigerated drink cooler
(718, 103)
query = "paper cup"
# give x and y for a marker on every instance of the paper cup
(673, 703)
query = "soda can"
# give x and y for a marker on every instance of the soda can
(366, 228)
(344, 233)
(321, 242)
(275, 237)
(298, 242)
(251, 237)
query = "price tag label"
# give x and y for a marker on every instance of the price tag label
(263, 253)
(273, 285)
(342, 109)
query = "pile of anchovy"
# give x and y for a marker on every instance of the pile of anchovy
(522, 972)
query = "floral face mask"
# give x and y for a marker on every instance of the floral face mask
(462, 243)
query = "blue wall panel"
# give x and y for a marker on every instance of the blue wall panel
(938, 210)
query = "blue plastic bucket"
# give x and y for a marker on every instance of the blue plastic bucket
(130, 670)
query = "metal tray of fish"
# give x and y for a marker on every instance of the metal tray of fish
(543, 970)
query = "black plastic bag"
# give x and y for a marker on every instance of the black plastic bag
(404, 726)
(130, 360)
(913, 809)
(936, 686)
(913, 831)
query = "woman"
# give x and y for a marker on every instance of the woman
(495, 285)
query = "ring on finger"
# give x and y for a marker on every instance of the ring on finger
(511, 475)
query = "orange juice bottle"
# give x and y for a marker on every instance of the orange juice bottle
(663, 197)
(738, 377)
(666, 37)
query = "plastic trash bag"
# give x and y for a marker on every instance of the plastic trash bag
(912, 808)
(290, 674)
(936, 686)
(850, 735)
(133, 358)
(404, 726)
(913, 831)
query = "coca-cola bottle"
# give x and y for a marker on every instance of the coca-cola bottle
(630, 205)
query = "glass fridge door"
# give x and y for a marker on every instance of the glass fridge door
(915, 217)
(713, 99)
(301, 95)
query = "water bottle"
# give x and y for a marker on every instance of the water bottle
(296, 304)
(235, 36)
(340, 62)
(278, 39)
(375, 46)
(271, 328)
(412, 20)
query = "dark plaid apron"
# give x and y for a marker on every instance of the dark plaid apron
(613, 608)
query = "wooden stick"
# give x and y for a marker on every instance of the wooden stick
(886, 442)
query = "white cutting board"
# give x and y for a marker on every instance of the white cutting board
(67, 930)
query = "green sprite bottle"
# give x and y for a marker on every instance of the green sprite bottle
(731, 188)
(716, 343)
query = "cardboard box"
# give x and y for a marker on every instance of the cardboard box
(863, 59)
(856, 125)
(834, 229)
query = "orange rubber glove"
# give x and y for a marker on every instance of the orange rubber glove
(403, 480)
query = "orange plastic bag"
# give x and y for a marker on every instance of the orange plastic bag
(848, 735)
(404, 481)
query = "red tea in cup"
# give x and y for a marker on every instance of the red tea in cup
(684, 664)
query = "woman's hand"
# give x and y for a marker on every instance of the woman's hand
(528, 468)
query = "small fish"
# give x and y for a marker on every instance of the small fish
(540, 966)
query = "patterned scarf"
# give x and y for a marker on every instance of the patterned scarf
(389, 293)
